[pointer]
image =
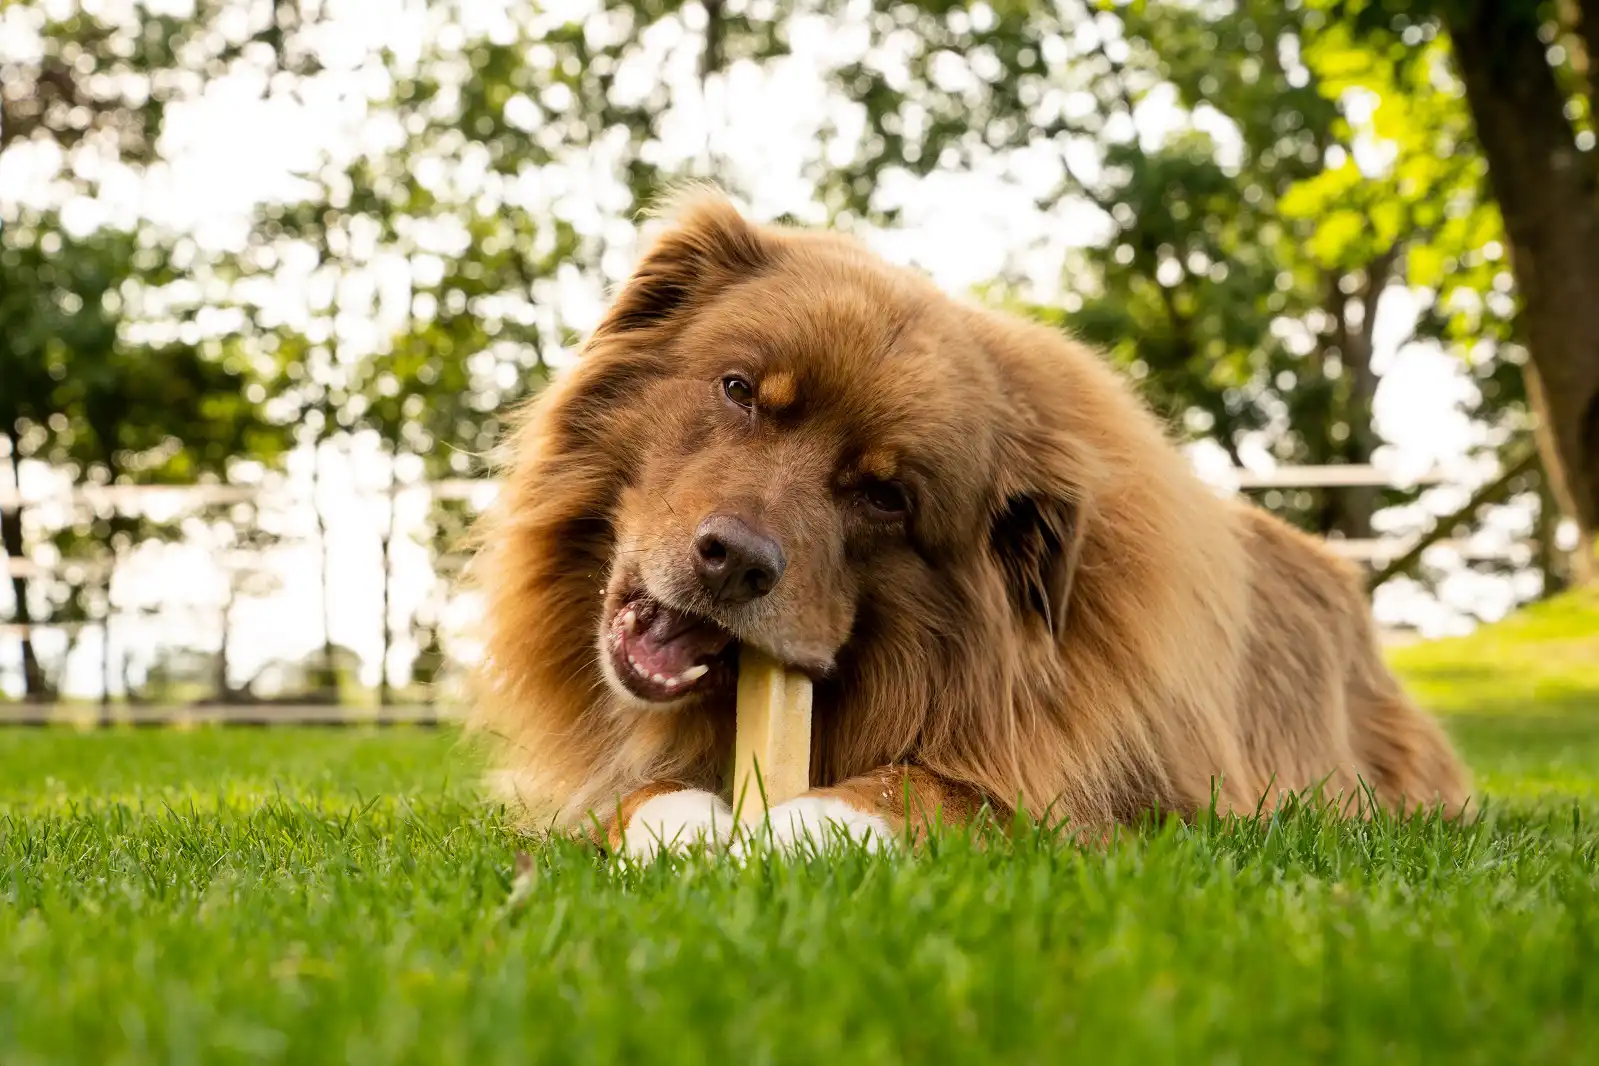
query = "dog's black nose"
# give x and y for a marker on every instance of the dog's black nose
(735, 563)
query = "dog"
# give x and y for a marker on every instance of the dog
(1010, 590)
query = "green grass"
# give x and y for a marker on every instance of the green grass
(304, 896)
(1542, 662)
(1521, 697)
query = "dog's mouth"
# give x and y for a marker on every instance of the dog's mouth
(661, 654)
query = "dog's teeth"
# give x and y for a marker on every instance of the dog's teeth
(630, 621)
(694, 673)
(671, 682)
(659, 679)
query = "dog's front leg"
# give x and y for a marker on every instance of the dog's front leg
(665, 815)
(873, 809)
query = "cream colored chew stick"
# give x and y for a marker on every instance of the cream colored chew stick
(773, 734)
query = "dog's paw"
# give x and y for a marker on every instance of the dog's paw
(816, 822)
(677, 821)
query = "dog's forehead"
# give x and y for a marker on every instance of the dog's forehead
(854, 350)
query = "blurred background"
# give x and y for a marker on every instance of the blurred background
(273, 271)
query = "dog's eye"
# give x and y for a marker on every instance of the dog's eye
(739, 391)
(886, 498)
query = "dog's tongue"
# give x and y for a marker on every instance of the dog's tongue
(664, 643)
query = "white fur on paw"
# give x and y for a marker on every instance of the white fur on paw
(676, 821)
(821, 822)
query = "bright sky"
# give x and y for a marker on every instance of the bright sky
(235, 147)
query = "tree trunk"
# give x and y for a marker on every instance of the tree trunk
(385, 692)
(1588, 28)
(107, 674)
(130, 691)
(711, 58)
(117, 524)
(1548, 193)
(328, 684)
(224, 689)
(34, 687)
(1360, 501)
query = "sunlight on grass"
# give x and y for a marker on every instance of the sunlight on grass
(1542, 661)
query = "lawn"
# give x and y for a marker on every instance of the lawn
(305, 896)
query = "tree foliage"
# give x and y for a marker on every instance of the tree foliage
(1243, 182)
(1523, 73)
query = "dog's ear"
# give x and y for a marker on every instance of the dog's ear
(1037, 539)
(706, 246)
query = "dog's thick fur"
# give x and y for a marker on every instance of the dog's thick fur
(1067, 619)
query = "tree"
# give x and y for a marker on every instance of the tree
(111, 371)
(1527, 76)
(1242, 253)
(240, 543)
(483, 120)
(465, 338)
(109, 410)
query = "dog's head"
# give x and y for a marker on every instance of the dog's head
(810, 451)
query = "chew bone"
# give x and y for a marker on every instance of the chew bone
(773, 734)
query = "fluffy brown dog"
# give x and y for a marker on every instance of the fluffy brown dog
(1008, 586)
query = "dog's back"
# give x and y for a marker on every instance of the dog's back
(1320, 695)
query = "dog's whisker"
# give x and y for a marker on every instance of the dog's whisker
(665, 503)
